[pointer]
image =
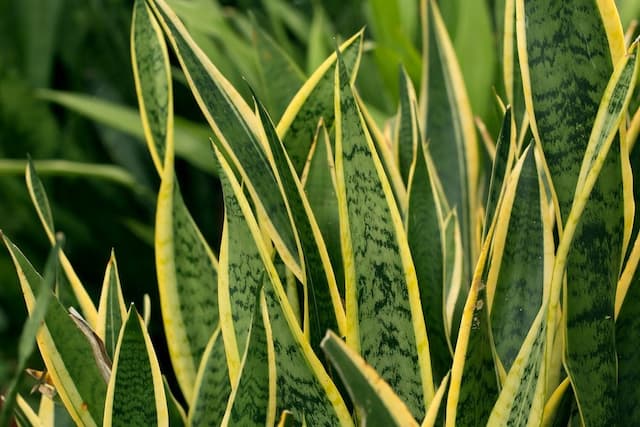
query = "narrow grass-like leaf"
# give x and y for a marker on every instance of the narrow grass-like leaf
(448, 125)
(212, 387)
(27, 340)
(41, 203)
(323, 306)
(314, 101)
(253, 399)
(455, 291)
(384, 316)
(65, 351)
(319, 181)
(375, 400)
(186, 266)
(135, 395)
(516, 274)
(111, 309)
(237, 128)
(425, 233)
(303, 386)
(280, 75)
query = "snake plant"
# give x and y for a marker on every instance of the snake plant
(374, 273)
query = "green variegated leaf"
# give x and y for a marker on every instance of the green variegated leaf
(425, 232)
(212, 387)
(454, 291)
(319, 181)
(65, 350)
(135, 395)
(314, 101)
(384, 314)
(280, 77)
(375, 400)
(435, 412)
(177, 416)
(322, 303)
(502, 163)
(186, 266)
(303, 386)
(41, 203)
(237, 128)
(408, 134)
(27, 341)
(448, 126)
(516, 276)
(152, 75)
(474, 381)
(240, 276)
(511, 66)
(253, 399)
(111, 309)
(590, 251)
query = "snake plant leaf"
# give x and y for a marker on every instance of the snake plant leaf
(516, 276)
(66, 352)
(212, 387)
(303, 385)
(455, 291)
(314, 101)
(512, 77)
(279, 75)
(627, 328)
(240, 276)
(186, 266)
(522, 398)
(589, 291)
(589, 294)
(435, 412)
(24, 414)
(27, 340)
(571, 42)
(425, 233)
(152, 76)
(177, 416)
(135, 395)
(323, 306)
(237, 128)
(41, 203)
(190, 137)
(253, 399)
(375, 401)
(111, 309)
(502, 163)
(408, 135)
(319, 181)
(474, 384)
(384, 314)
(448, 124)
(287, 419)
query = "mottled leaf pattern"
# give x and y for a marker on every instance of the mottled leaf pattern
(135, 396)
(111, 310)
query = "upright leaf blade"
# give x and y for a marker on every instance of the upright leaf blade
(111, 309)
(384, 315)
(135, 395)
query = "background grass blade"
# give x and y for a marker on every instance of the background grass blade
(384, 316)
(135, 395)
